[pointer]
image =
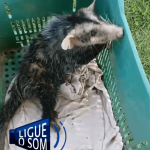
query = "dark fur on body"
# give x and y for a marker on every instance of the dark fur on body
(45, 65)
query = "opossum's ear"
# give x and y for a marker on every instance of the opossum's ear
(68, 42)
(91, 7)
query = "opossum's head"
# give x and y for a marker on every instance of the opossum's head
(89, 29)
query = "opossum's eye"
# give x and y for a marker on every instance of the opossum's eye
(93, 33)
(83, 41)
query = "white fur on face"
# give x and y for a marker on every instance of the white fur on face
(105, 33)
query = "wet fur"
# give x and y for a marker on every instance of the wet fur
(45, 66)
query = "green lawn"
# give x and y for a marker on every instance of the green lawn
(138, 16)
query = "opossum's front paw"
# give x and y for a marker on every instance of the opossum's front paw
(53, 116)
(55, 126)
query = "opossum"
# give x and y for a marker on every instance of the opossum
(66, 43)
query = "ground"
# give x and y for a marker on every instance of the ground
(138, 17)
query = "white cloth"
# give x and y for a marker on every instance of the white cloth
(85, 113)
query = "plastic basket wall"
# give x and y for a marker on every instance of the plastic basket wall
(124, 76)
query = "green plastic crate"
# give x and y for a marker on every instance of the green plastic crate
(124, 76)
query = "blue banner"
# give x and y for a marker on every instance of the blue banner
(34, 136)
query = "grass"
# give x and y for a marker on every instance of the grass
(138, 17)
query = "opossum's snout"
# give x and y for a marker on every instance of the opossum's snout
(119, 32)
(112, 32)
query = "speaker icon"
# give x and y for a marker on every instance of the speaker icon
(58, 137)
